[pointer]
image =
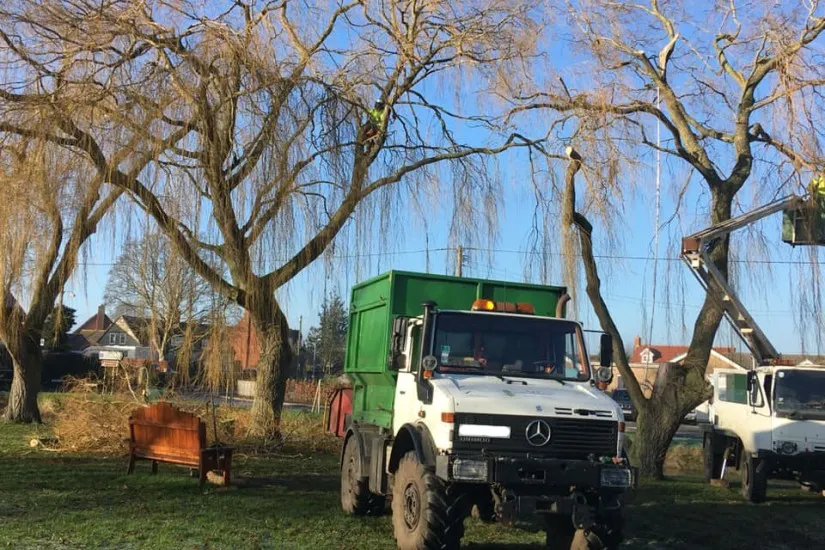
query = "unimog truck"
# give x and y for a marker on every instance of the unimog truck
(471, 393)
(768, 422)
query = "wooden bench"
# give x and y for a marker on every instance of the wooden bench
(162, 433)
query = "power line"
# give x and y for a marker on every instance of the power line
(522, 253)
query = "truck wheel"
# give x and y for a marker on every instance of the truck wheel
(560, 532)
(426, 513)
(713, 459)
(356, 498)
(754, 483)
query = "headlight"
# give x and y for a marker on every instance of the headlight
(616, 477)
(483, 430)
(470, 470)
(786, 447)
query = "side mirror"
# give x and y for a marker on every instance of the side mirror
(605, 375)
(606, 351)
(751, 380)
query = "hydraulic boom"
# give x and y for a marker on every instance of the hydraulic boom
(696, 250)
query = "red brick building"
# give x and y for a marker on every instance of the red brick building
(247, 351)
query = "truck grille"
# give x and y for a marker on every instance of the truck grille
(570, 438)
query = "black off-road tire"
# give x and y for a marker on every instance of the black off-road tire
(714, 456)
(559, 532)
(754, 482)
(426, 513)
(356, 498)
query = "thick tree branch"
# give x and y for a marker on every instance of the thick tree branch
(594, 284)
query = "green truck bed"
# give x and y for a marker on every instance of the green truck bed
(376, 302)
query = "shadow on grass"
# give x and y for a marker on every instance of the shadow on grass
(91, 501)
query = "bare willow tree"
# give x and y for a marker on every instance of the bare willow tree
(61, 81)
(150, 281)
(740, 99)
(49, 208)
(284, 142)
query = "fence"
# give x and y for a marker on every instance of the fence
(297, 391)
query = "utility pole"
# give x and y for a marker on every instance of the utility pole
(459, 260)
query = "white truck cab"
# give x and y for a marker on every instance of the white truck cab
(770, 423)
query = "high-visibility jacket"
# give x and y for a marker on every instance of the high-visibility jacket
(376, 116)
(818, 187)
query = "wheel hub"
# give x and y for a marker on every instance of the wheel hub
(412, 506)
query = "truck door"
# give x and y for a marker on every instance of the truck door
(738, 411)
(407, 405)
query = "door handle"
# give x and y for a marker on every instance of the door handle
(402, 392)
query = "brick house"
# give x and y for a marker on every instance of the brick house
(247, 351)
(647, 358)
(88, 334)
(130, 336)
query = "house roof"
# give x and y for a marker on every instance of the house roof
(95, 323)
(666, 354)
(140, 327)
(85, 339)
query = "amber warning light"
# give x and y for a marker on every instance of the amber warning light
(506, 307)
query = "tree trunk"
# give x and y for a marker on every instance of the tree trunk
(27, 361)
(272, 331)
(655, 428)
(677, 388)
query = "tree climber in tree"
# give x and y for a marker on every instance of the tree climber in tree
(817, 188)
(375, 119)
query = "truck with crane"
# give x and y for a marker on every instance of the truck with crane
(768, 422)
(477, 393)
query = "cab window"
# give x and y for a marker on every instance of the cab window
(733, 388)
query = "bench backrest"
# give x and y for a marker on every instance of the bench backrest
(165, 433)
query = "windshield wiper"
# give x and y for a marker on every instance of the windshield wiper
(557, 380)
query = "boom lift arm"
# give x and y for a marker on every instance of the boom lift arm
(696, 249)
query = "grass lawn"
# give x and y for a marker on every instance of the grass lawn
(55, 500)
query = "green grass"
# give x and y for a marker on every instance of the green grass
(53, 500)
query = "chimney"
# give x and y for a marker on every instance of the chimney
(637, 342)
(100, 321)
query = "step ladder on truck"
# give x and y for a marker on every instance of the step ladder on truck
(768, 422)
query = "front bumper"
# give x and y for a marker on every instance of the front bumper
(539, 472)
(800, 463)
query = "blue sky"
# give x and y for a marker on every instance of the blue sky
(627, 279)
(627, 266)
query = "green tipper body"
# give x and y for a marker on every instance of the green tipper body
(374, 305)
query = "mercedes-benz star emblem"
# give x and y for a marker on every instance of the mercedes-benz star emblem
(538, 433)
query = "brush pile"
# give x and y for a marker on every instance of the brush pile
(91, 423)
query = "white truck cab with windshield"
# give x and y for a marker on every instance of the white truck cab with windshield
(770, 424)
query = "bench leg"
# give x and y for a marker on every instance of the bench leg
(131, 468)
(154, 466)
